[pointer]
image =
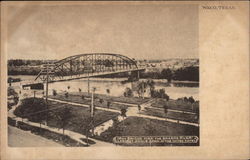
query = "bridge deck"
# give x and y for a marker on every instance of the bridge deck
(86, 75)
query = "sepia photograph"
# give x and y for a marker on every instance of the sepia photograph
(103, 75)
(121, 80)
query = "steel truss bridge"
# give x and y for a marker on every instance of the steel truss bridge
(88, 65)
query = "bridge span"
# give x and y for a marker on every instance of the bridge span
(88, 65)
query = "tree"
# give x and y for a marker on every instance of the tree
(128, 92)
(108, 91)
(165, 108)
(54, 92)
(63, 116)
(139, 107)
(191, 100)
(108, 104)
(101, 100)
(187, 74)
(66, 94)
(151, 84)
(141, 88)
(33, 109)
(167, 74)
(123, 112)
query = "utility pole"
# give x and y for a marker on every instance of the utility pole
(142, 89)
(92, 110)
(47, 90)
(34, 94)
(88, 81)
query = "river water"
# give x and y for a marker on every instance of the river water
(174, 90)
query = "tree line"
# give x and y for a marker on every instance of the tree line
(190, 73)
(24, 62)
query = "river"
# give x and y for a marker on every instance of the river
(174, 90)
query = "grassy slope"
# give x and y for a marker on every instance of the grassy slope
(176, 104)
(131, 100)
(80, 117)
(137, 126)
(173, 115)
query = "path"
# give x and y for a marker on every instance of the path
(21, 138)
(105, 126)
(73, 135)
(83, 105)
(133, 111)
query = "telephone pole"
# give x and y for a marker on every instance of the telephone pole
(47, 90)
(92, 110)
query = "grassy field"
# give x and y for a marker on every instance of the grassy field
(170, 114)
(176, 105)
(130, 100)
(78, 99)
(137, 126)
(80, 117)
(156, 111)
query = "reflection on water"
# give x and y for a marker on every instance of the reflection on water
(174, 90)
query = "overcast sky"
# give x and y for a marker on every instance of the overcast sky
(137, 31)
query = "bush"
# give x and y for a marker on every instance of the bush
(159, 94)
(54, 92)
(12, 92)
(32, 108)
(123, 112)
(11, 121)
(101, 101)
(128, 92)
(66, 94)
(191, 99)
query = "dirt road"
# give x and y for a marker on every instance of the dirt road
(20, 138)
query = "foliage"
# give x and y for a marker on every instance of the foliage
(15, 97)
(123, 112)
(159, 94)
(66, 94)
(32, 108)
(12, 92)
(62, 116)
(167, 74)
(54, 92)
(128, 92)
(165, 108)
(101, 100)
(108, 91)
(108, 104)
(191, 100)
(141, 88)
(187, 74)
(82, 97)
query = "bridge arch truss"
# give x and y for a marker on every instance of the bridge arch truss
(88, 65)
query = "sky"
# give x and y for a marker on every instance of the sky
(137, 31)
